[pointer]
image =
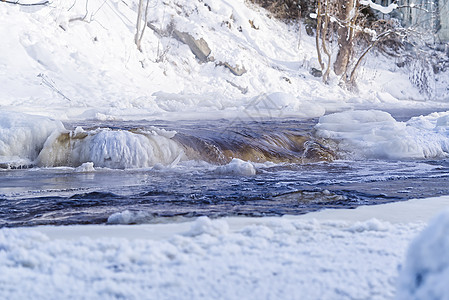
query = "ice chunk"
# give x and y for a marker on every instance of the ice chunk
(23, 136)
(115, 149)
(237, 167)
(86, 167)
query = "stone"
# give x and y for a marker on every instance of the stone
(315, 72)
(237, 70)
(199, 47)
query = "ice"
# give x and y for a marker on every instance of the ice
(237, 167)
(23, 136)
(377, 134)
(35, 140)
(129, 217)
(115, 149)
(86, 168)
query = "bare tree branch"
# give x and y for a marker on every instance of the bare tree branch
(26, 4)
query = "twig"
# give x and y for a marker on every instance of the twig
(26, 4)
(51, 84)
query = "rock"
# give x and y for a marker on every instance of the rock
(237, 70)
(315, 72)
(309, 30)
(198, 47)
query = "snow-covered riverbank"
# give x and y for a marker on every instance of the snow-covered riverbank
(334, 254)
(77, 60)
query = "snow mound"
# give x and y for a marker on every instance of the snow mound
(426, 271)
(377, 134)
(23, 136)
(285, 259)
(204, 225)
(237, 167)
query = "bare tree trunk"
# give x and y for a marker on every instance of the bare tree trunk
(327, 12)
(138, 25)
(318, 33)
(345, 36)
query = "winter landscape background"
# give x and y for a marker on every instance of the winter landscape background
(86, 111)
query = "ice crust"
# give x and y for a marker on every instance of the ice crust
(41, 141)
(115, 149)
(376, 134)
(22, 136)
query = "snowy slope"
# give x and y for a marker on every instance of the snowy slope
(78, 60)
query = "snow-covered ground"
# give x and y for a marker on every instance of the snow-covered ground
(333, 254)
(76, 60)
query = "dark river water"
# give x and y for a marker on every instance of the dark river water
(296, 173)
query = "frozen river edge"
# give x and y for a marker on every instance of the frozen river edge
(412, 211)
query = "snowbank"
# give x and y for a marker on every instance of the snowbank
(278, 259)
(377, 134)
(311, 256)
(426, 270)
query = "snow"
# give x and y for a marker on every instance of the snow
(383, 9)
(350, 255)
(77, 60)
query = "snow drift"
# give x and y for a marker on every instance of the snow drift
(426, 270)
(217, 259)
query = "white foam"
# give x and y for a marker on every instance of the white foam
(22, 136)
(377, 134)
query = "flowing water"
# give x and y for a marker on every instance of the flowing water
(292, 172)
